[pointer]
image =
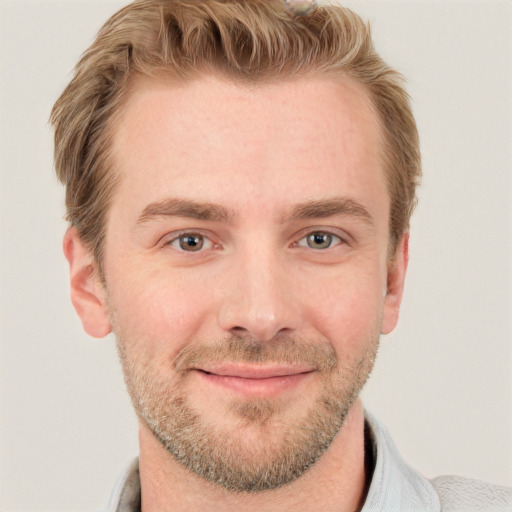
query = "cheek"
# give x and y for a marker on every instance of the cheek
(348, 310)
(160, 309)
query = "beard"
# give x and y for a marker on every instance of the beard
(261, 444)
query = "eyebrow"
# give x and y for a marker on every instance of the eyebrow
(329, 207)
(177, 207)
(185, 208)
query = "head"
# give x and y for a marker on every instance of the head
(239, 184)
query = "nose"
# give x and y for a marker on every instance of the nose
(258, 299)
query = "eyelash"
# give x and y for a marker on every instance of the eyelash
(334, 240)
(189, 234)
(311, 234)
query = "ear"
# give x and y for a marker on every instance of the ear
(87, 292)
(395, 285)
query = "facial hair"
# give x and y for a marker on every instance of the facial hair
(258, 447)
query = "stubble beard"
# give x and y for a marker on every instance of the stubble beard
(256, 449)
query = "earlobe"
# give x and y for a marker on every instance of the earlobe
(87, 292)
(395, 286)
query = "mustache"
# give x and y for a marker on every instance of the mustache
(281, 350)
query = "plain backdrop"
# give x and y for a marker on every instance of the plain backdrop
(443, 381)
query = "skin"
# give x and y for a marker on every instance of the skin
(258, 154)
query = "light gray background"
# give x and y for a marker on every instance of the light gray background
(443, 383)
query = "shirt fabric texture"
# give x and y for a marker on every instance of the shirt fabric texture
(395, 486)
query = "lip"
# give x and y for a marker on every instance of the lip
(253, 371)
(255, 380)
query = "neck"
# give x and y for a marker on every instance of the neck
(336, 482)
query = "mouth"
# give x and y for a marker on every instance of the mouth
(255, 380)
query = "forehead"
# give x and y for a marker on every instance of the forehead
(272, 142)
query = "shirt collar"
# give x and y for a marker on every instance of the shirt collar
(125, 495)
(395, 485)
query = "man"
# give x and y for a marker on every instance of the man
(239, 184)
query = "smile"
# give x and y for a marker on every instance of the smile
(255, 381)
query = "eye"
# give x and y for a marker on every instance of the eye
(319, 240)
(191, 242)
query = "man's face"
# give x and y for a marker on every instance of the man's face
(246, 269)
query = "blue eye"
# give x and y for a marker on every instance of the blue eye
(191, 242)
(319, 240)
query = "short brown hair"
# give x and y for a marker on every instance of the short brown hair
(249, 40)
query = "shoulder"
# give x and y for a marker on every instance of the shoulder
(459, 494)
